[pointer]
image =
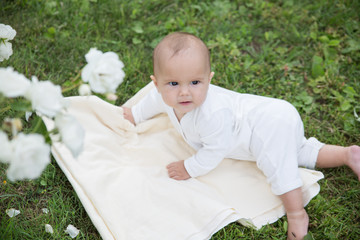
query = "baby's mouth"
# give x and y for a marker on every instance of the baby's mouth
(185, 102)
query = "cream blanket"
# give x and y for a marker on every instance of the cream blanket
(122, 182)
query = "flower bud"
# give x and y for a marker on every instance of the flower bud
(84, 90)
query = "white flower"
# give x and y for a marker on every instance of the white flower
(45, 210)
(12, 212)
(72, 133)
(7, 32)
(5, 148)
(84, 90)
(111, 97)
(49, 229)
(28, 115)
(12, 83)
(72, 231)
(5, 50)
(357, 118)
(45, 97)
(103, 71)
(30, 157)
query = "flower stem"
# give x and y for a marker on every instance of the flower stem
(7, 108)
(75, 85)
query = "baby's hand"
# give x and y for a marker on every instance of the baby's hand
(128, 115)
(177, 171)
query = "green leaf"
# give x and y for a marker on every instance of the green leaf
(305, 98)
(334, 43)
(317, 68)
(190, 29)
(285, 226)
(281, 50)
(43, 183)
(40, 127)
(235, 52)
(345, 105)
(330, 53)
(324, 39)
(51, 30)
(21, 106)
(50, 34)
(313, 35)
(353, 46)
(85, 6)
(337, 95)
(136, 41)
(350, 92)
(155, 41)
(267, 36)
(309, 236)
(138, 27)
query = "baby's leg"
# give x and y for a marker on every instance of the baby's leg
(277, 138)
(298, 220)
(335, 156)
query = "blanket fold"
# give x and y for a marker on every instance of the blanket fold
(122, 182)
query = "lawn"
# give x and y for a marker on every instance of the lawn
(306, 52)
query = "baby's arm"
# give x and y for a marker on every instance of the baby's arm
(216, 136)
(217, 139)
(128, 115)
(149, 106)
(177, 171)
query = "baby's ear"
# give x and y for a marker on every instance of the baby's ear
(152, 77)
(211, 76)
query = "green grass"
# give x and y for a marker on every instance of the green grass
(307, 52)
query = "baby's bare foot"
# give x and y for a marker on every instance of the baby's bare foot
(353, 160)
(298, 223)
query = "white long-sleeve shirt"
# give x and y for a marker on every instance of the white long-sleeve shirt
(228, 124)
(217, 129)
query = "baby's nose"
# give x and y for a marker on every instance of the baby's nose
(184, 90)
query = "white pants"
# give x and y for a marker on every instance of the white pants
(279, 146)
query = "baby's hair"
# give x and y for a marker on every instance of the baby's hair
(176, 42)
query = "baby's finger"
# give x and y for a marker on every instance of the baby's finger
(170, 166)
(176, 178)
(172, 173)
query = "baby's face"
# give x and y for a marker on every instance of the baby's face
(183, 80)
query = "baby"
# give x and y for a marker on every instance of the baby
(220, 123)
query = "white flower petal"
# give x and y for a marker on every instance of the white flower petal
(30, 157)
(12, 83)
(104, 73)
(45, 97)
(5, 51)
(72, 133)
(6, 151)
(72, 231)
(28, 115)
(49, 229)
(93, 55)
(86, 72)
(84, 90)
(357, 118)
(12, 212)
(7, 32)
(45, 210)
(111, 97)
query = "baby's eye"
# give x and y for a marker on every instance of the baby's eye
(173, 83)
(195, 82)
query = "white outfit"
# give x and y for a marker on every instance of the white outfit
(241, 126)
